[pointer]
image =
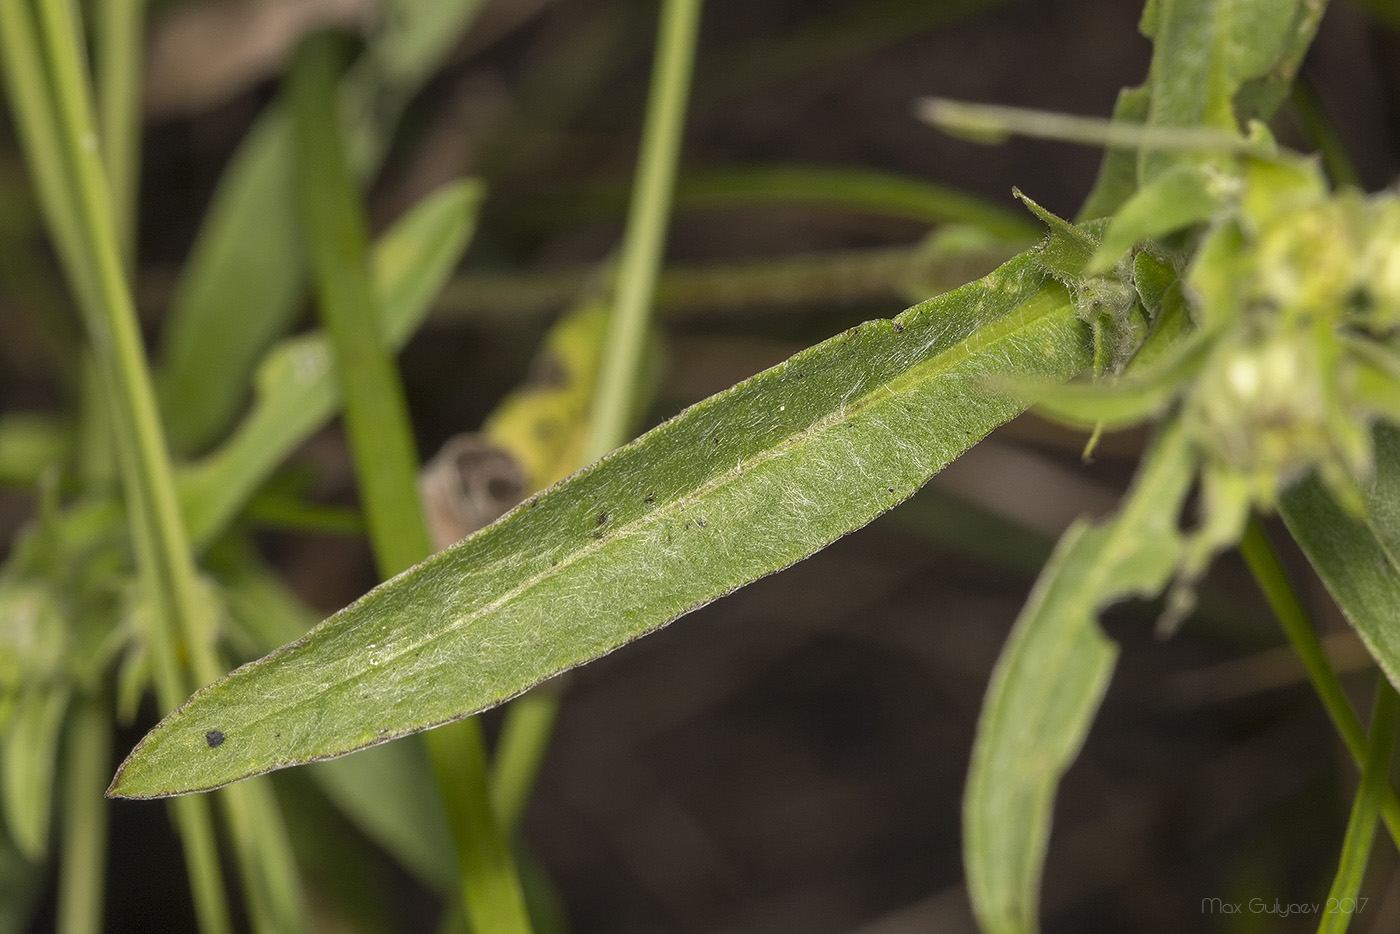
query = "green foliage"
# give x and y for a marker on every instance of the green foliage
(1216, 288)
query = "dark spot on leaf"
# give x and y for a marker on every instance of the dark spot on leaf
(890, 488)
(688, 524)
(650, 498)
(716, 439)
(602, 518)
(898, 328)
(214, 738)
(554, 564)
(700, 522)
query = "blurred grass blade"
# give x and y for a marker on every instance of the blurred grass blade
(30, 756)
(1361, 825)
(852, 188)
(82, 872)
(119, 43)
(1358, 558)
(385, 458)
(297, 391)
(246, 274)
(1050, 679)
(737, 487)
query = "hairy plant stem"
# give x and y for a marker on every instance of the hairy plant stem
(1272, 579)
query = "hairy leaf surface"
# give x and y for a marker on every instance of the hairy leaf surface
(736, 487)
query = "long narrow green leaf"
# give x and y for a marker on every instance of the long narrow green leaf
(1358, 558)
(734, 488)
(1050, 680)
(386, 461)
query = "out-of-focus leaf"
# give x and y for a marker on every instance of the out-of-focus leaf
(29, 445)
(297, 391)
(1118, 172)
(30, 751)
(732, 489)
(246, 275)
(1205, 51)
(21, 885)
(1358, 558)
(240, 289)
(1050, 680)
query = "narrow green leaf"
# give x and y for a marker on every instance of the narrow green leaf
(1358, 558)
(239, 290)
(30, 753)
(245, 277)
(385, 458)
(734, 488)
(1050, 680)
(296, 387)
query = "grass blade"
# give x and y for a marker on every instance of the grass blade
(1361, 825)
(1273, 580)
(82, 873)
(1358, 558)
(386, 462)
(737, 487)
(1050, 680)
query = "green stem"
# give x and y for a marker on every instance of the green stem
(82, 871)
(1361, 825)
(792, 283)
(386, 463)
(1322, 134)
(1273, 580)
(530, 720)
(53, 149)
(645, 239)
(119, 49)
(855, 189)
(117, 345)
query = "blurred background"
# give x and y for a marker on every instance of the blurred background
(790, 758)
